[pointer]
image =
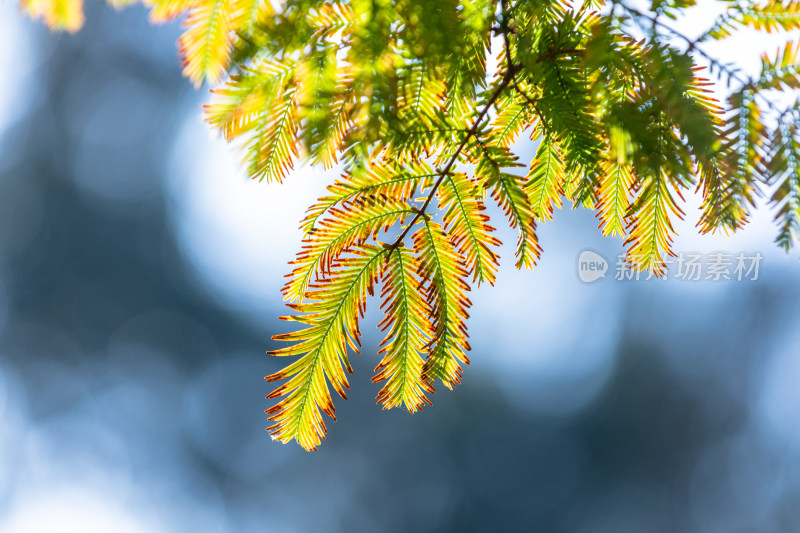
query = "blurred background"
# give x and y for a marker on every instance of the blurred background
(139, 287)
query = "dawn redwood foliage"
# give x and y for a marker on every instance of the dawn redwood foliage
(398, 93)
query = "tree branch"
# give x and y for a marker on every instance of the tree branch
(508, 78)
(443, 173)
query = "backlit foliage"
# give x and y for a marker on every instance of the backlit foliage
(398, 93)
(211, 27)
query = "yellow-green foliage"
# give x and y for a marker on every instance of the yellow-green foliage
(397, 92)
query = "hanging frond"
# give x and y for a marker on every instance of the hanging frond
(614, 197)
(466, 73)
(564, 101)
(785, 166)
(731, 186)
(466, 223)
(490, 159)
(333, 138)
(205, 45)
(508, 191)
(545, 179)
(274, 148)
(514, 117)
(444, 287)
(66, 15)
(210, 29)
(407, 319)
(397, 93)
(331, 315)
(651, 230)
(243, 103)
(420, 94)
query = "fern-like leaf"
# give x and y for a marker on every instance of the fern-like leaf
(513, 117)
(331, 314)
(351, 223)
(443, 271)
(785, 166)
(731, 185)
(421, 95)
(376, 182)
(765, 16)
(508, 192)
(651, 230)
(66, 15)
(545, 179)
(243, 104)
(613, 197)
(260, 105)
(397, 93)
(275, 148)
(409, 329)
(205, 45)
(340, 125)
(465, 221)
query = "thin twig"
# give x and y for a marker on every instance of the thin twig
(444, 172)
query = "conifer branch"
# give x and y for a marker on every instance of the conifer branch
(508, 78)
(693, 45)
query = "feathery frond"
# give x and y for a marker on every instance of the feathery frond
(443, 272)
(769, 16)
(64, 15)
(650, 229)
(614, 197)
(349, 224)
(730, 184)
(465, 222)
(785, 166)
(331, 313)
(205, 45)
(409, 330)
(546, 179)
(514, 116)
(275, 149)
(510, 196)
(383, 180)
